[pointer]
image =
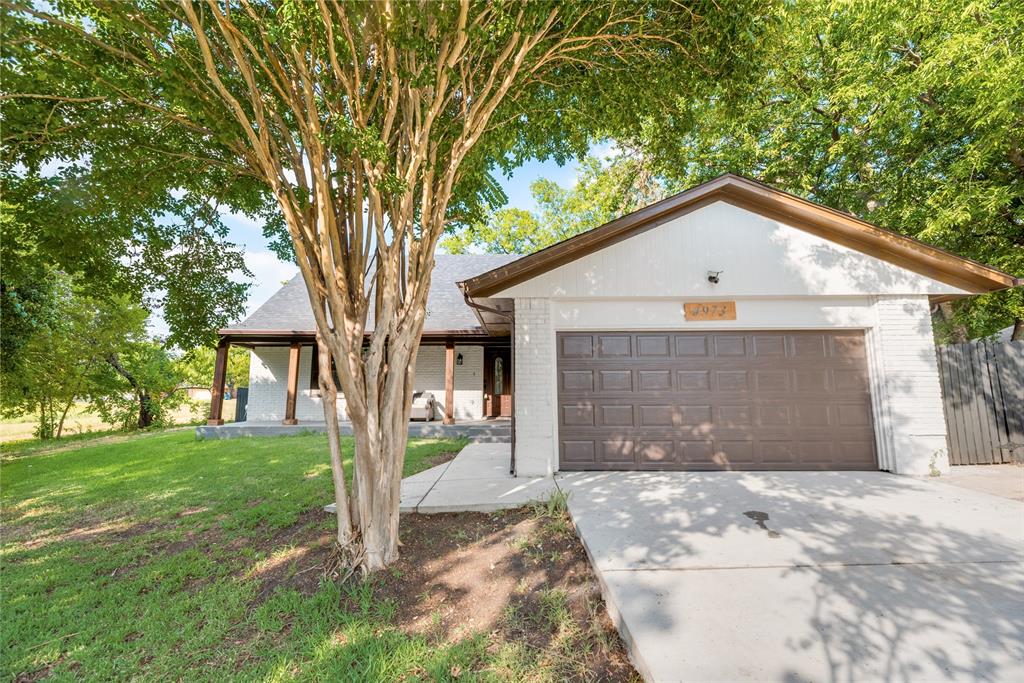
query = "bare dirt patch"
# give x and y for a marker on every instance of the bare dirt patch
(442, 458)
(516, 576)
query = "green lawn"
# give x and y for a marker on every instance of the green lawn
(142, 557)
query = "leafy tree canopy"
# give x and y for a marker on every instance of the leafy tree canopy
(604, 190)
(908, 115)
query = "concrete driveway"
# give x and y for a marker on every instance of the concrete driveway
(806, 576)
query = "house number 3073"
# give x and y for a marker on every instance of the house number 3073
(710, 310)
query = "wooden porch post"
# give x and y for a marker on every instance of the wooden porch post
(293, 384)
(220, 371)
(449, 382)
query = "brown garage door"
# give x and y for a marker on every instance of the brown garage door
(714, 401)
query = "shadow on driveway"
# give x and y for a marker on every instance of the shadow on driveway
(823, 576)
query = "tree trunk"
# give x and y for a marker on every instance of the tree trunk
(957, 332)
(329, 399)
(146, 415)
(381, 436)
(63, 416)
(45, 430)
(1018, 330)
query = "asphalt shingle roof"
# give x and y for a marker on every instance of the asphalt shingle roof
(288, 309)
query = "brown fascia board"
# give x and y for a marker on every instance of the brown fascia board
(767, 201)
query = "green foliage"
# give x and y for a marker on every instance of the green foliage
(123, 94)
(149, 384)
(63, 350)
(74, 347)
(196, 367)
(909, 115)
(604, 190)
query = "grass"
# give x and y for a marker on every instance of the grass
(82, 423)
(142, 557)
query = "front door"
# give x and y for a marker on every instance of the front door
(497, 383)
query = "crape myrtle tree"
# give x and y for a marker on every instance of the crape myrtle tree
(373, 126)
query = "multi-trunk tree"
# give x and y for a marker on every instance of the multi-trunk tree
(374, 126)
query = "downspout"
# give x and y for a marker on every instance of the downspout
(511, 317)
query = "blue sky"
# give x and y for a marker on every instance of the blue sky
(269, 272)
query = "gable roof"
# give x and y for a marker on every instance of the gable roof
(767, 201)
(288, 311)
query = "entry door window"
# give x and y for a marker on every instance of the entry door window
(499, 376)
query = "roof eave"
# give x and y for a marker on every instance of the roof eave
(971, 276)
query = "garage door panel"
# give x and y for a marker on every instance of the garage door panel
(578, 415)
(578, 452)
(693, 380)
(691, 346)
(615, 380)
(617, 416)
(577, 346)
(576, 380)
(771, 380)
(813, 415)
(653, 346)
(655, 380)
(657, 416)
(777, 452)
(732, 380)
(614, 346)
(730, 345)
(769, 345)
(656, 452)
(735, 455)
(714, 400)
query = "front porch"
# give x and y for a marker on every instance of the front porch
(479, 431)
(468, 375)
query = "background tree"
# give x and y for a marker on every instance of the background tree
(373, 127)
(63, 352)
(141, 386)
(197, 366)
(909, 115)
(603, 191)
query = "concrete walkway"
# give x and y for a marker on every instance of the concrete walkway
(1005, 481)
(476, 480)
(806, 576)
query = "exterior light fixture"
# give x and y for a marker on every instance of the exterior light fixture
(713, 276)
(458, 359)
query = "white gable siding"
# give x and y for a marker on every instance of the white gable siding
(758, 256)
(268, 378)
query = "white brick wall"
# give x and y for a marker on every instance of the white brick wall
(910, 423)
(536, 435)
(268, 377)
(469, 379)
(268, 381)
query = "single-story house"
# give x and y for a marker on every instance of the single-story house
(731, 326)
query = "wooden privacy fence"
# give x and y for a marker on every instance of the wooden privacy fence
(983, 395)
